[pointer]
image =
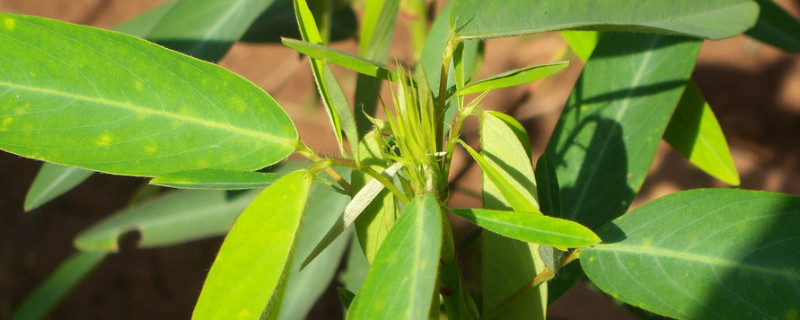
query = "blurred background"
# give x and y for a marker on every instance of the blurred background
(753, 88)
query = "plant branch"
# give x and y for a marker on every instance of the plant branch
(305, 151)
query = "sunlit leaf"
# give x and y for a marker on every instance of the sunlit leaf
(776, 27)
(512, 195)
(52, 181)
(342, 58)
(704, 254)
(261, 241)
(531, 227)
(695, 133)
(710, 19)
(118, 104)
(216, 180)
(514, 77)
(68, 275)
(402, 279)
(582, 42)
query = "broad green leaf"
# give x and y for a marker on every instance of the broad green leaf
(509, 264)
(531, 227)
(608, 134)
(262, 241)
(514, 77)
(776, 27)
(582, 42)
(52, 181)
(547, 186)
(66, 277)
(333, 98)
(402, 279)
(206, 29)
(704, 254)
(171, 218)
(516, 198)
(342, 58)
(708, 19)
(357, 267)
(216, 180)
(143, 24)
(305, 286)
(695, 133)
(118, 104)
(279, 21)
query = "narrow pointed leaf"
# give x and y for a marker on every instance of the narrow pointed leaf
(531, 228)
(514, 77)
(516, 199)
(346, 296)
(102, 103)
(172, 218)
(776, 27)
(65, 278)
(695, 133)
(509, 264)
(342, 58)
(704, 254)
(216, 180)
(547, 186)
(261, 241)
(52, 181)
(709, 19)
(402, 279)
(582, 42)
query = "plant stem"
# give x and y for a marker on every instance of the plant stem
(305, 151)
(384, 180)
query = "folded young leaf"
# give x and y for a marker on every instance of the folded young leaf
(515, 198)
(118, 104)
(704, 254)
(531, 227)
(342, 58)
(402, 279)
(262, 241)
(776, 27)
(514, 77)
(216, 180)
(709, 19)
(52, 181)
(65, 278)
(694, 132)
(172, 218)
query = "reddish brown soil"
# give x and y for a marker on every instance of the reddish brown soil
(754, 89)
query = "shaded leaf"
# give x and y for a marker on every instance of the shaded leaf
(52, 181)
(531, 227)
(514, 77)
(118, 104)
(216, 180)
(342, 58)
(262, 241)
(695, 133)
(168, 219)
(401, 281)
(776, 27)
(66, 277)
(141, 25)
(515, 198)
(704, 254)
(547, 186)
(709, 19)
(279, 21)
(346, 296)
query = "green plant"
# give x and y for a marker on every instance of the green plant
(109, 102)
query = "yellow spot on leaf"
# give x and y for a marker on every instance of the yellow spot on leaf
(243, 314)
(591, 259)
(646, 242)
(6, 121)
(9, 24)
(104, 140)
(138, 86)
(150, 149)
(791, 314)
(238, 105)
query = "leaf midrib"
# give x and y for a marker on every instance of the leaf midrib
(136, 108)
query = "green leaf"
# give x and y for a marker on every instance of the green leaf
(516, 199)
(279, 21)
(143, 24)
(52, 181)
(695, 133)
(402, 279)
(216, 180)
(514, 77)
(531, 228)
(341, 58)
(262, 241)
(171, 218)
(346, 296)
(547, 185)
(357, 267)
(509, 264)
(709, 19)
(776, 27)
(66, 277)
(305, 286)
(582, 42)
(118, 104)
(608, 134)
(704, 254)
